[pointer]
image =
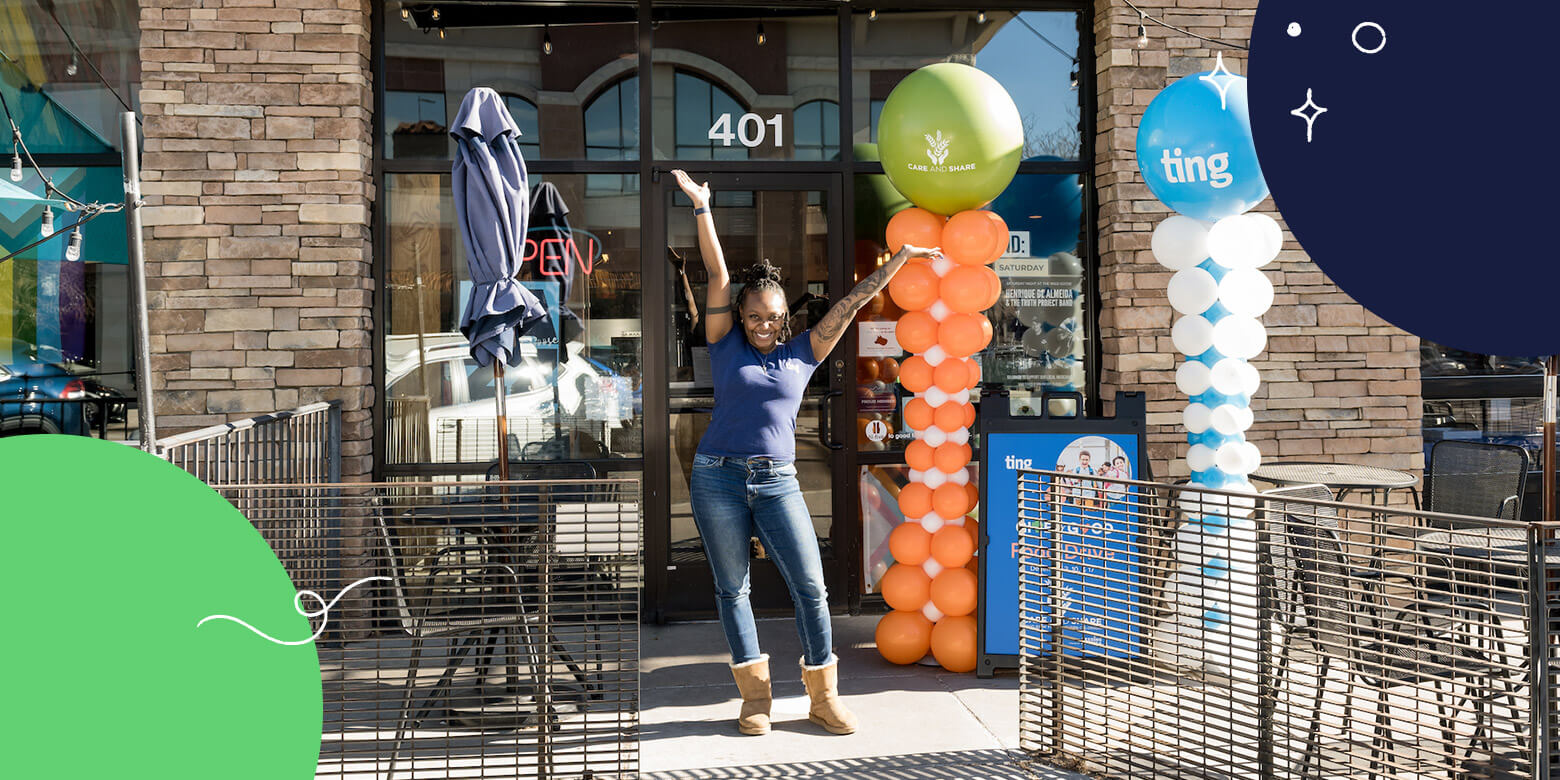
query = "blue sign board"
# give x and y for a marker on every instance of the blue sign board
(1091, 529)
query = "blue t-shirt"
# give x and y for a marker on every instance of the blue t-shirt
(757, 396)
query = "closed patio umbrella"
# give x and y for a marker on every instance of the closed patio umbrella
(491, 207)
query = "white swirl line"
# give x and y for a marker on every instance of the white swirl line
(298, 605)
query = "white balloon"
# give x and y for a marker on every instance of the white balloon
(1239, 337)
(960, 477)
(1229, 376)
(934, 436)
(935, 355)
(1236, 242)
(1180, 242)
(960, 436)
(1192, 335)
(917, 476)
(932, 522)
(1252, 457)
(1231, 458)
(1192, 378)
(1272, 236)
(935, 396)
(1192, 291)
(932, 567)
(1246, 292)
(1250, 380)
(1195, 418)
(933, 478)
(1229, 419)
(1199, 457)
(931, 611)
(941, 266)
(1195, 502)
(939, 310)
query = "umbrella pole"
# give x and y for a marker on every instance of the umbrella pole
(130, 147)
(1547, 461)
(503, 419)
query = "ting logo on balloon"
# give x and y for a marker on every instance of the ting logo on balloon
(1189, 170)
(937, 151)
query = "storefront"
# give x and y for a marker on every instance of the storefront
(776, 107)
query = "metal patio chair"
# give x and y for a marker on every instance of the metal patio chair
(1342, 612)
(469, 594)
(1476, 479)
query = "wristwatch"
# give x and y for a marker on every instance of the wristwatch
(701, 210)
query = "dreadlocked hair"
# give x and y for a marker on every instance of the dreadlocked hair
(761, 277)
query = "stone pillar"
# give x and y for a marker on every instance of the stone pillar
(258, 175)
(1337, 381)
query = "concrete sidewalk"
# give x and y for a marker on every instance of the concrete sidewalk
(916, 721)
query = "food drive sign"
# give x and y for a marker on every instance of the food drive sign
(554, 255)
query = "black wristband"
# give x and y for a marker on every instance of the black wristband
(701, 210)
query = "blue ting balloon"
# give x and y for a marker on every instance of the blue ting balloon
(1195, 149)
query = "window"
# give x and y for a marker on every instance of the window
(700, 104)
(817, 132)
(524, 113)
(416, 125)
(612, 133)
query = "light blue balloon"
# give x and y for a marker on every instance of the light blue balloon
(1195, 151)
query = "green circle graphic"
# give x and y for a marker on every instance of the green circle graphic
(113, 557)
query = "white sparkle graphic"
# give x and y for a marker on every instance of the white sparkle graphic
(1222, 78)
(1294, 29)
(1310, 118)
(1379, 30)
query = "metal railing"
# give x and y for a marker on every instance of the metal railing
(1167, 631)
(293, 447)
(499, 637)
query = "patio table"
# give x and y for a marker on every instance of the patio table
(1341, 478)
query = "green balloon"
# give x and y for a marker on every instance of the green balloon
(950, 138)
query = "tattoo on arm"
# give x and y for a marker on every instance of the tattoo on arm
(833, 324)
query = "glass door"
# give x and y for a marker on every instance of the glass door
(793, 220)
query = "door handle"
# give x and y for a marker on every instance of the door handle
(824, 415)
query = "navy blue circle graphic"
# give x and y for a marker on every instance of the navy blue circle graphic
(1408, 149)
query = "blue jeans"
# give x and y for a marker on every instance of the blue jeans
(735, 499)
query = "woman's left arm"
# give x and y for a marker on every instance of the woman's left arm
(828, 331)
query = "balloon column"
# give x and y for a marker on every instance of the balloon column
(950, 139)
(1197, 156)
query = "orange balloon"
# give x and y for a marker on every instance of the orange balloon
(920, 455)
(972, 491)
(915, 374)
(975, 374)
(949, 500)
(916, 331)
(969, 237)
(962, 335)
(973, 526)
(915, 500)
(993, 287)
(916, 227)
(918, 414)
(969, 411)
(905, 587)
(953, 643)
(904, 637)
(889, 369)
(951, 547)
(915, 287)
(950, 457)
(953, 591)
(965, 288)
(951, 375)
(910, 543)
(949, 416)
(1002, 228)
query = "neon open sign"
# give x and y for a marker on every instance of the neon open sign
(553, 255)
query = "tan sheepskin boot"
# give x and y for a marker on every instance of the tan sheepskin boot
(823, 688)
(753, 681)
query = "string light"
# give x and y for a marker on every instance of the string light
(435, 14)
(1142, 30)
(980, 17)
(761, 36)
(547, 46)
(48, 221)
(872, 15)
(406, 13)
(73, 249)
(1144, 18)
(75, 65)
(441, 33)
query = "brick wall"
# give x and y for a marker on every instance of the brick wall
(258, 180)
(1338, 383)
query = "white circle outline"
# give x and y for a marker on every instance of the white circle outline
(1355, 37)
